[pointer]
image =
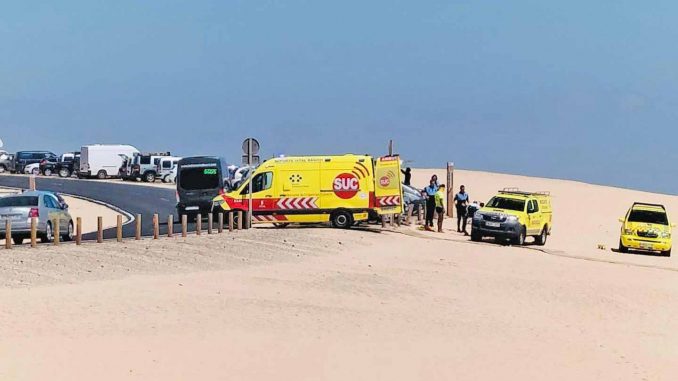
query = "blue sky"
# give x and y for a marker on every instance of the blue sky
(578, 89)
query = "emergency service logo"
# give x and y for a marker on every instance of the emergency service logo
(346, 185)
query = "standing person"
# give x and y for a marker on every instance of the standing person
(461, 202)
(440, 197)
(408, 175)
(434, 178)
(430, 190)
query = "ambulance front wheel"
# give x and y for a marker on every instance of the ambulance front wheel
(341, 219)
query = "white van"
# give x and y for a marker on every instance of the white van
(165, 167)
(103, 160)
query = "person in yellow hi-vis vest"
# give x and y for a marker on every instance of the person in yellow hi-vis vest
(440, 206)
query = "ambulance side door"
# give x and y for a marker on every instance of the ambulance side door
(388, 191)
(263, 192)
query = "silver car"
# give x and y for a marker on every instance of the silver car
(47, 207)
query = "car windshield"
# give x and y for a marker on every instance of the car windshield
(199, 178)
(506, 203)
(648, 216)
(19, 201)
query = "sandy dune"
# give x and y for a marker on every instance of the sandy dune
(324, 304)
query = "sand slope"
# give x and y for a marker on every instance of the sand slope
(324, 304)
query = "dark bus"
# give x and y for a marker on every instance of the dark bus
(199, 180)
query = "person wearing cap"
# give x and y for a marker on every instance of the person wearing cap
(461, 201)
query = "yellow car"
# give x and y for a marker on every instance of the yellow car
(646, 227)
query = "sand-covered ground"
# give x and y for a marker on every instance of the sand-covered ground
(325, 304)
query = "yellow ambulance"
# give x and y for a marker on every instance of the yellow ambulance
(341, 190)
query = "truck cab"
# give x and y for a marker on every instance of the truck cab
(513, 214)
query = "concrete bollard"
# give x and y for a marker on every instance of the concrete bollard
(78, 231)
(209, 223)
(170, 226)
(220, 227)
(184, 225)
(34, 232)
(198, 224)
(118, 230)
(240, 220)
(230, 221)
(100, 229)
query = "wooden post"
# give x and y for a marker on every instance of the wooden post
(57, 232)
(100, 229)
(198, 224)
(230, 221)
(397, 219)
(383, 221)
(78, 231)
(34, 232)
(450, 189)
(156, 226)
(31, 183)
(239, 219)
(137, 228)
(391, 221)
(209, 223)
(410, 210)
(119, 228)
(8, 234)
(170, 226)
(220, 227)
(184, 225)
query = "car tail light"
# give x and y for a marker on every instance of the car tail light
(43, 161)
(177, 196)
(34, 212)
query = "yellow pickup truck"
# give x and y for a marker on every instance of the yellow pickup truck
(513, 214)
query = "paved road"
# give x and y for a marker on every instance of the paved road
(135, 199)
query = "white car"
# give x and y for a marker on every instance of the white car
(171, 177)
(32, 169)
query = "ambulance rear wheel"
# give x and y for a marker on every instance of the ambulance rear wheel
(341, 219)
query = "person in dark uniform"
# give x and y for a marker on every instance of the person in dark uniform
(461, 201)
(431, 191)
(408, 175)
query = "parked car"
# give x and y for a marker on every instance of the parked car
(64, 165)
(45, 206)
(103, 160)
(6, 162)
(172, 176)
(646, 227)
(32, 169)
(165, 167)
(24, 158)
(142, 166)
